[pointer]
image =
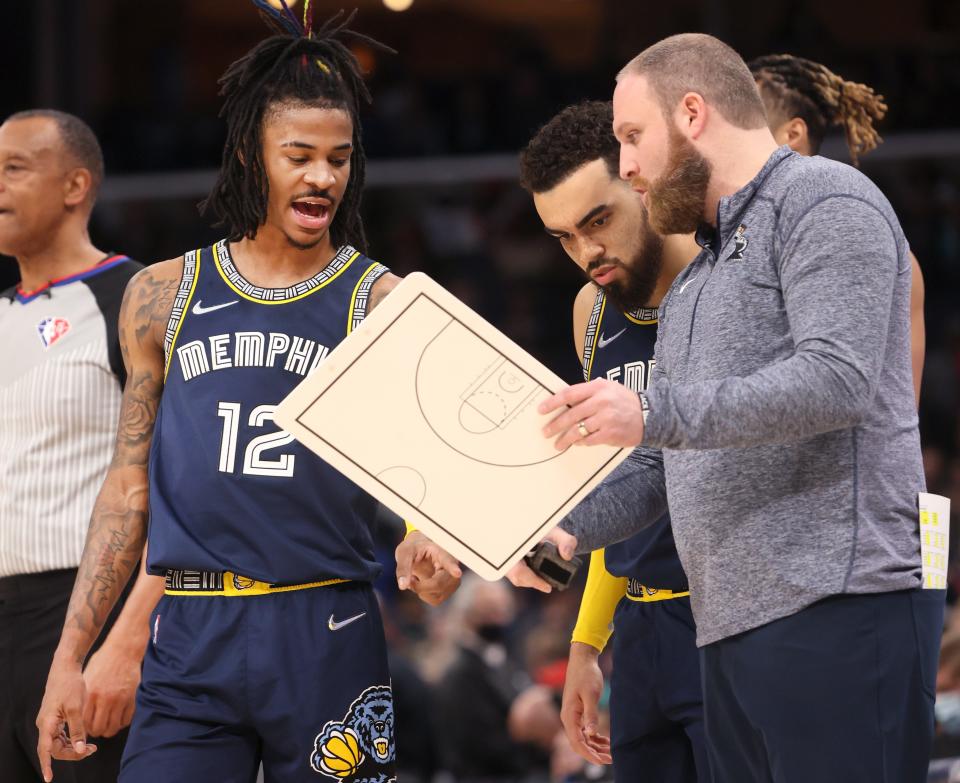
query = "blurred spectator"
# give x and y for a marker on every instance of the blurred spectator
(946, 743)
(534, 717)
(475, 694)
(417, 742)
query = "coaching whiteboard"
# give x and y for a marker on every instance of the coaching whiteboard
(432, 411)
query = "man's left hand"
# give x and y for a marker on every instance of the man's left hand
(594, 413)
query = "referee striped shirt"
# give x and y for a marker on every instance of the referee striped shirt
(61, 376)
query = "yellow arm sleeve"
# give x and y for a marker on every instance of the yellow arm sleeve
(410, 528)
(601, 595)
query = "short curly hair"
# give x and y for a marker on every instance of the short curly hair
(578, 135)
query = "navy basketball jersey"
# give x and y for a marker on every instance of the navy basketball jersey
(229, 490)
(619, 346)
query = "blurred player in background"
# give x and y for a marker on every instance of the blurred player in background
(267, 645)
(61, 377)
(656, 712)
(804, 101)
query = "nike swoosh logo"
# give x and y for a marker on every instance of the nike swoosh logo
(686, 283)
(333, 625)
(199, 309)
(601, 343)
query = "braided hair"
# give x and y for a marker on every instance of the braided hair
(795, 87)
(297, 66)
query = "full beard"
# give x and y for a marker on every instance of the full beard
(678, 197)
(640, 274)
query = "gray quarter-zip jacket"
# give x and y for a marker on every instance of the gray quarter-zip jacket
(783, 404)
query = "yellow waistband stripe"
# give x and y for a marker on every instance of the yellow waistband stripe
(236, 585)
(647, 595)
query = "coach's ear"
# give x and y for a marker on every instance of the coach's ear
(690, 115)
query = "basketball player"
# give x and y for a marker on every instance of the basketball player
(656, 712)
(267, 645)
(804, 100)
(61, 378)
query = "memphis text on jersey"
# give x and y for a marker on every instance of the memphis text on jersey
(295, 354)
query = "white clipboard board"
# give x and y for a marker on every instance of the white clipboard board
(432, 410)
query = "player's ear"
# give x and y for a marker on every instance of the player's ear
(797, 135)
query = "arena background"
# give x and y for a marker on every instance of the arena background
(470, 83)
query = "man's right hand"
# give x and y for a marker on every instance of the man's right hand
(430, 571)
(581, 699)
(62, 708)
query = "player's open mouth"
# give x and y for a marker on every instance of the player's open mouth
(312, 214)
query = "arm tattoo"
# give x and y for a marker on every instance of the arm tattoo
(380, 289)
(118, 525)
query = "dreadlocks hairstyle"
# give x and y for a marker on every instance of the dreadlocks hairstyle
(578, 135)
(297, 66)
(795, 87)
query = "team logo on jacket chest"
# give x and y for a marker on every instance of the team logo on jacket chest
(295, 354)
(52, 329)
(739, 244)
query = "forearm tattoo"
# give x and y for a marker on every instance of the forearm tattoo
(118, 525)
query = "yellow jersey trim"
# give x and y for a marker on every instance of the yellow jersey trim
(651, 594)
(351, 313)
(235, 586)
(596, 336)
(642, 322)
(312, 289)
(180, 311)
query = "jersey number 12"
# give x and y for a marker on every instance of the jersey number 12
(254, 461)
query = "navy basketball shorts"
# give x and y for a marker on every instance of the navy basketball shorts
(840, 692)
(656, 706)
(297, 680)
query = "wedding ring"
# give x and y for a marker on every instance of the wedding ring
(582, 429)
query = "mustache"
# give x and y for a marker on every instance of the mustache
(314, 193)
(639, 183)
(593, 266)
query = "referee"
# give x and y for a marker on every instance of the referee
(61, 375)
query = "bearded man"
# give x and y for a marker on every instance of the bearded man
(781, 424)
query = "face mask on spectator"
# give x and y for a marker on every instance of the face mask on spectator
(492, 633)
(947, 711)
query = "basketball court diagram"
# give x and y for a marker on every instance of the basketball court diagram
(434, 412)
